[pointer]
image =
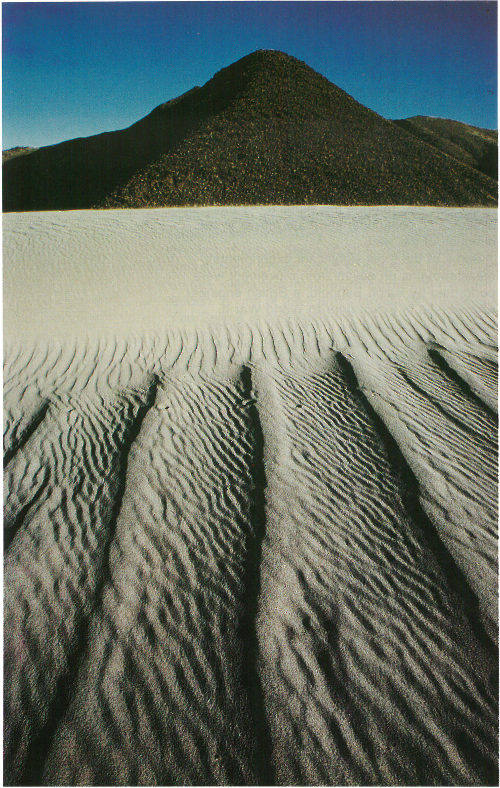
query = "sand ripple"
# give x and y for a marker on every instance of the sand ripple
(254, 555)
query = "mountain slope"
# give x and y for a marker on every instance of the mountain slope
(469, 144)
(11, 153)
(267, 129)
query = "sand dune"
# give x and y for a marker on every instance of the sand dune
(256, 552)
(135, 272)
(267, 556)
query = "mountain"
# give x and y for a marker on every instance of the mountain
(267, 129)
(469, 144)
(11, 153)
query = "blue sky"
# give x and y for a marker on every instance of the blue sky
(74, 69)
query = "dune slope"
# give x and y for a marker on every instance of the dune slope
(265, 556)
(250, 495)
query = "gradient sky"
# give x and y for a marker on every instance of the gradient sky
(74, 69)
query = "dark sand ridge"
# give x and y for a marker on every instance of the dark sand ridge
(266, 130)
(228, 559)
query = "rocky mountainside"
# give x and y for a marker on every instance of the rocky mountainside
(469, 144)
(265, 130)
(11, 153)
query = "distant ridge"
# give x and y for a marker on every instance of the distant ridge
(265, 130)
(469, 144)
(11, 153)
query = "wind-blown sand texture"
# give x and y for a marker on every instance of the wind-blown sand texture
(254, 553)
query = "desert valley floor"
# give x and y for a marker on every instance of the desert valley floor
(250, 461)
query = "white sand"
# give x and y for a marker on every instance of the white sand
(107, 271)
(263, 552)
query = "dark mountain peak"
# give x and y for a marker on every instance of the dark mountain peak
(268, 66)
(268, 74)
(270, 55)
(262, 59)
(269, 62)
(265, 129)
(266, 84)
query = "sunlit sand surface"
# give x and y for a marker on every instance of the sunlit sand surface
(251, 497)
